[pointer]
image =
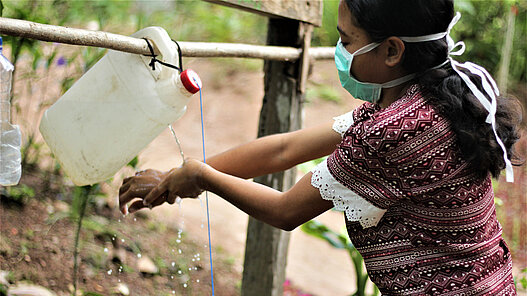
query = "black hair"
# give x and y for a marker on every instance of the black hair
(446, 90)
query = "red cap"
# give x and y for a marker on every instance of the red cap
(190, 80)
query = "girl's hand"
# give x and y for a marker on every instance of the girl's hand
(179, 182)
(138, 186)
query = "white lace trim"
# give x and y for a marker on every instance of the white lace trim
(345, 200)
(342, 123)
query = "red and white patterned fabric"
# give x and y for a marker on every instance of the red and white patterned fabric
(424, 223)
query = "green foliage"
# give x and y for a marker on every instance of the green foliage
(327, 34)
(341, 241)
(3, 288)
(91, 294)
(309, 165)
(18, 195)
(81, 195)
(324, 92)
(521, 279)
(482, 27)
(133, 163)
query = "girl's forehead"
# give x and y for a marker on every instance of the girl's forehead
(346, 24)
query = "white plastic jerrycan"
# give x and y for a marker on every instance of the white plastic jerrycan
(115, 109)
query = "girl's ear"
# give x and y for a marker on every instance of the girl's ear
(394, 50)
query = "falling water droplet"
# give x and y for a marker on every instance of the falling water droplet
(178, 143)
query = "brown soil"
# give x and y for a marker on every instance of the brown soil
(37, 246)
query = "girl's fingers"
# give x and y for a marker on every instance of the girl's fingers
(155, 193)
(124, 187)
(171, 199)
(137, 205)
(125, 198)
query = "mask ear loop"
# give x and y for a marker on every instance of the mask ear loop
(154, 60)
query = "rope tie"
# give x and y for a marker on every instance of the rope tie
(154, 59)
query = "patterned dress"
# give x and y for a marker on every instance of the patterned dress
(424, 223)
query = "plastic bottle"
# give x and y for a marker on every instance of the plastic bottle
(10, 138)
(117, 108)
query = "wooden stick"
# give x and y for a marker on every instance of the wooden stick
(50, 33)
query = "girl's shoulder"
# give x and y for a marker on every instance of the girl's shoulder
(410, 119)
(414, 100)
(405, 113)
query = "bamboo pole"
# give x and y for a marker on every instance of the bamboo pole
(74, 36)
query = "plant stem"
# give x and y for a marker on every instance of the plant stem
(84, 195)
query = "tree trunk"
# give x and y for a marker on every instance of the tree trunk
(266, 246)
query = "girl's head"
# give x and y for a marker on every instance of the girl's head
(382, 21)
(362, 22)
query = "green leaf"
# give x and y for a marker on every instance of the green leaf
(133, 163)
(523, 282)
(321, 231)
(91, 294)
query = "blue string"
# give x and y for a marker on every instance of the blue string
(206, 192)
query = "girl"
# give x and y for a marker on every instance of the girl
(411, 167)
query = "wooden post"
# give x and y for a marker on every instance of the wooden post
(266, 246)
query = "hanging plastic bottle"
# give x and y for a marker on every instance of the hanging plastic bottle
(116, 108)
(10, 137)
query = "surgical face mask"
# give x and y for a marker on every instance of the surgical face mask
(366, 91)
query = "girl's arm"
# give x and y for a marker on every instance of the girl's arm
(284, 210)
(263, 156)
(277, 152)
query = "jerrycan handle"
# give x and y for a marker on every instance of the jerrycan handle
(160, 40)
